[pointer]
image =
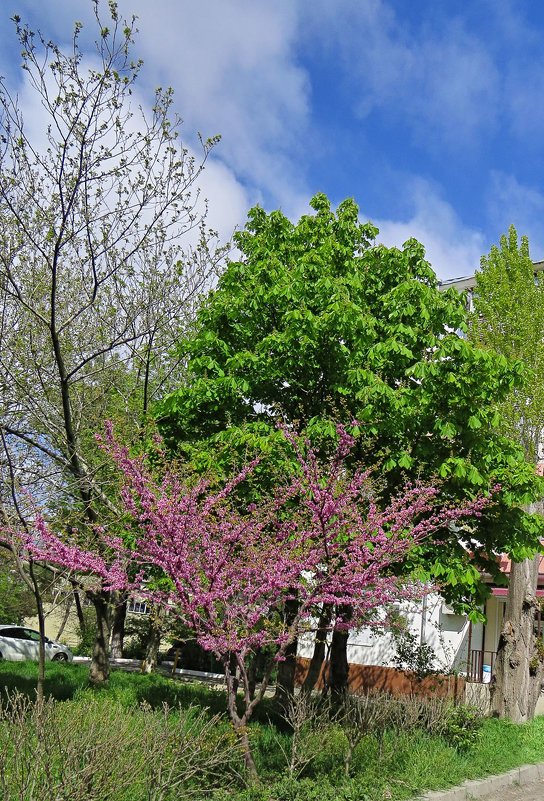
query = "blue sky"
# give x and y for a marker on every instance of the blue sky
(429, 113)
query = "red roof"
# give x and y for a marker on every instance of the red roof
(503, 592)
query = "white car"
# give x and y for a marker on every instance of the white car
(18, 643)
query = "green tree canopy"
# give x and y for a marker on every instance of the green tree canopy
(316, 322)
(509, 319)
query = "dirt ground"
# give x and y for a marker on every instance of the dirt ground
(514, 792)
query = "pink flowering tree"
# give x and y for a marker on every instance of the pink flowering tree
(228, 571)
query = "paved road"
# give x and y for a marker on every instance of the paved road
(526, 792)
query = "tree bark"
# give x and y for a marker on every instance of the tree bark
(155, 631)
(285, 681)
(257, 665)
(41, 627)
(339, 667)
(320, 647)
(100, 662)
(65, 617)
(118, 626)
(79, 610)
(518, 673)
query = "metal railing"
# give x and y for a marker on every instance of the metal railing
(480, 667)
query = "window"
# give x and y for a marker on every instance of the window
(138, 607)
(16, 633)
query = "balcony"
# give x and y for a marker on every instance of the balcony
(480, 667)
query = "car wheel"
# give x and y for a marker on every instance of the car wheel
(60, 658)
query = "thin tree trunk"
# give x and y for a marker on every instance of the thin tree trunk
(118, 626)
(240, 722)
(79, 610)
(65, 617)
(285, 681)
(320, 648)
(256, 666)
(41, 627)
(518, 670)
(30, 578)
(157, 616)
(100, 663)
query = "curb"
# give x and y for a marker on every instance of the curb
(477, 788)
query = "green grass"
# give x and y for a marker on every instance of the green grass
(411, 762)
(66, 682)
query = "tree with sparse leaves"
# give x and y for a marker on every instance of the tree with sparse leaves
(95, 283)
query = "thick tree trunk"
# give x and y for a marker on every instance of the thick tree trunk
(320, 648)
(518, 672)
(285, 681)
(339, 667)
(249, 762)
(100, 662)
(118, 626)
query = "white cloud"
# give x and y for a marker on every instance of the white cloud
(236, 68)
(233, 68)
(511, 202)
(452, 248)
(228, 200)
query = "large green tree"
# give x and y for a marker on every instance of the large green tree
(316, 322)
(508, 319)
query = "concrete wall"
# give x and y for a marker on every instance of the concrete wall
(53, 620)
(494, 610)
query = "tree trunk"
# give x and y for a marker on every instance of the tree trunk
(79, 610)
(518, 672)
(339, 667)
(285, 681)
(65, 617)
(249, 762)
(100, 663)
(155, 630)
(118, 626)
(256, 667)
(320, 647)
(41, 627)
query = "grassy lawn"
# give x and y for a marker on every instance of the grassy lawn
(123, 744)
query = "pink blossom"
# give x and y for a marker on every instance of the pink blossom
(323, 538)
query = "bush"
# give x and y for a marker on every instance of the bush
(408, 745)
(98, 749)
(463, 726)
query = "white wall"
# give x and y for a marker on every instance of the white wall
(447, 634)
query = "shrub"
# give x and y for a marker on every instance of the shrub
(98, 749)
